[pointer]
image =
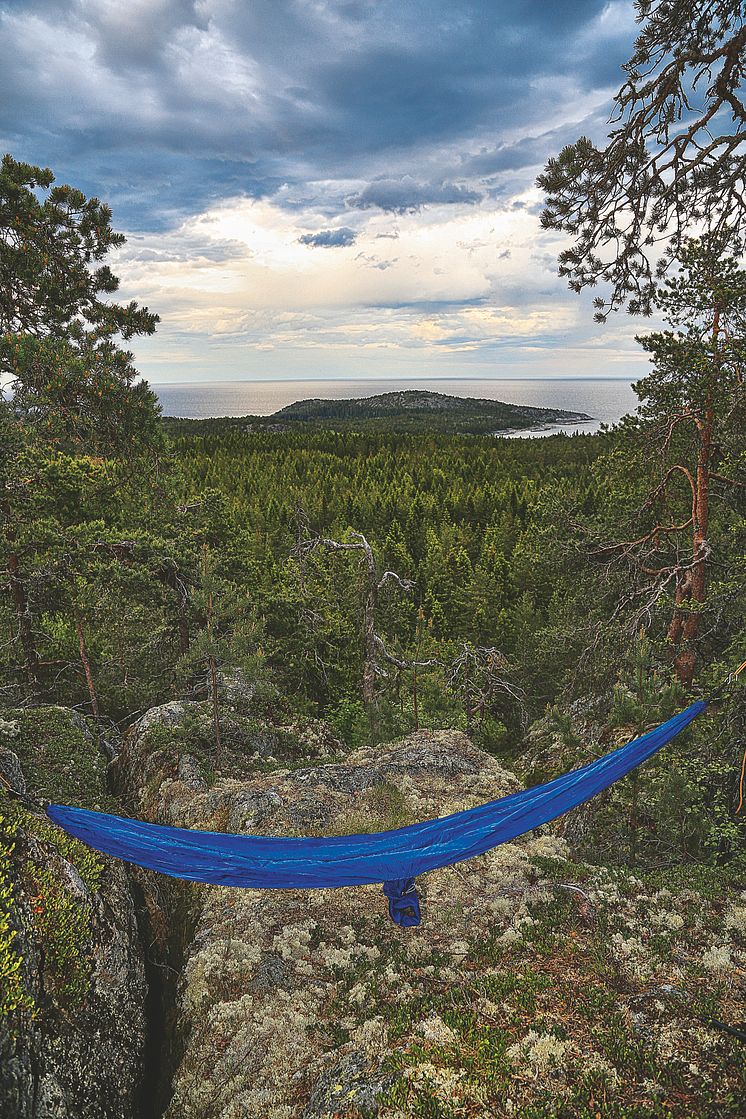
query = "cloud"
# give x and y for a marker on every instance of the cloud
(463, 277)
(404, 195)
(329, 238)
(166, 106)
(230, 138)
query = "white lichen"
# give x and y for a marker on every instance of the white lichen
(435, 1030)
(539, 1052)
(718, 958)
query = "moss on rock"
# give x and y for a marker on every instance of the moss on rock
(59, 755)
(72, 1031)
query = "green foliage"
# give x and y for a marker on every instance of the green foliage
(13, 995)
(664, 169)
(76, 424)
(80, 394)
(670, 536)
(447, 513)
(50, 245)
(349, 720)
(698, 362)
(562, 723)
(69, 379)
(492, 735)
(644, 695)
(87, 863)
(61, 917)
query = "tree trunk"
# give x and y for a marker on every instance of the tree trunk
(681, 595)
(212, 667)
(215, 710)
(183, 621)
(25, 622)
(415, 699)
(368, 684)
(686, 659)
(684, 629)
(86, 667)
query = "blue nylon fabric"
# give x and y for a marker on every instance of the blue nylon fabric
(404, 902)
(271, 862)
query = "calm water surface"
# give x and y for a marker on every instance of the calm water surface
(605, 399)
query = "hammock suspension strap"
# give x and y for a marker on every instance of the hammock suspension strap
(404, 902)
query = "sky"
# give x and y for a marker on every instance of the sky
(328, 188)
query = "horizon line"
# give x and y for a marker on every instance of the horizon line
(369, 380)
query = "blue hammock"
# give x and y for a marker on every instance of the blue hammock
(391, 857)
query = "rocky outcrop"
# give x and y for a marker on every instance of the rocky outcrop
(535, 984)
(73, 1029)
(176, 741)
(273, 1002)
(523, 989)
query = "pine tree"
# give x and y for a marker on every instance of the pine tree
(691, 431)
(72, 388)
(674, 160)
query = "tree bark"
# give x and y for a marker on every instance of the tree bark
(183, 620)
(21, 605)
(369, 632)
(212, 666)
(86, 667)
(415, 700)
(684, 629)
(215, 710)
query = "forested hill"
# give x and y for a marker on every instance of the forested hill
(407, 411)
(423, 411)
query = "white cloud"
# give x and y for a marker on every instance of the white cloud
(463, 280)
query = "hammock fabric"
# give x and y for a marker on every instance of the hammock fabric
(391, 857)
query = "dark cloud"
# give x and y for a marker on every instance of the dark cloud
(165, 106)
(135, 36)
(530, 151)
(405, 195)
(329, 238)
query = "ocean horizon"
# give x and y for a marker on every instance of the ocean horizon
(605, 399)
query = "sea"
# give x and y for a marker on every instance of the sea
(605, 399)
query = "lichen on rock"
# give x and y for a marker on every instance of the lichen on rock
(271, 979)
(525, 985)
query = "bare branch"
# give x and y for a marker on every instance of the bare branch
(399, 662)
(404, 584)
